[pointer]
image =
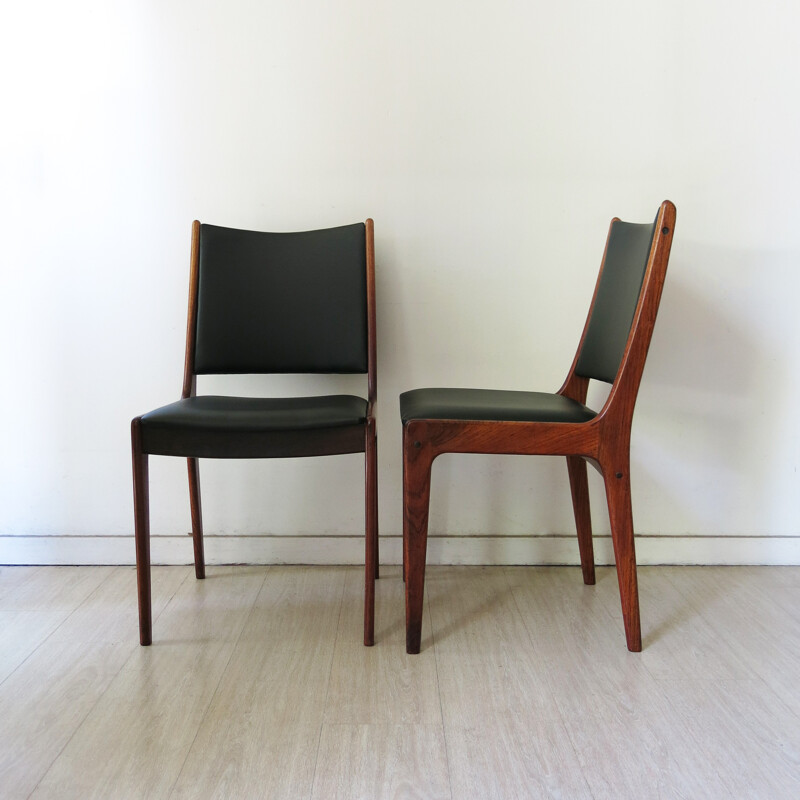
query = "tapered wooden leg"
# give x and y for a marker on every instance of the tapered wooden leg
(141, 513)
(618, 492)
(583, 519)
(197, 518)
(403, 548)
(371, 537)
(374, 497)
(416, 503)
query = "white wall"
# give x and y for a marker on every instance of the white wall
(491, 142)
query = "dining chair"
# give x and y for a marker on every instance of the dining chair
(612, 349)
(262, 303)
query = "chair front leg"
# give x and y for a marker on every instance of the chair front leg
(616, 476)
(197, 518)
(371, 537)
(579, 486)
(416, 502)
(141, 512)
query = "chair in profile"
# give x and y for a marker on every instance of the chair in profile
(268, 303)
(612, 349)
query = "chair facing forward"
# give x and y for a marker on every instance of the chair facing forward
(268, 303)
(612, 349)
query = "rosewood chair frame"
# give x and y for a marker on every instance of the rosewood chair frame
(603, 441)
(360, 438)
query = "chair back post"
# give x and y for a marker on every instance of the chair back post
(372, 350)
(619, 405)
(189, 377)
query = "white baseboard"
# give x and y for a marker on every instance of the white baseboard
(63, 550)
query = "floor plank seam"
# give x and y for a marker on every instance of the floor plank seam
(709, 709)
(94, 705)
(439, 695)
(172, 596)
(63, 620)
(202, 718)
(553, 690)
(78, 726)
(328, 687)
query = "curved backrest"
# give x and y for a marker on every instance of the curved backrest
(281, 302)
(617, 295)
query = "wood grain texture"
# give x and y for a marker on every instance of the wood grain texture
(252, 759)
(381, 685)
(681, 644)
(297, 607)
(261, 688)
(44, 703)
(189, 376)
(382, 761)
(371, 556)
(618, 716)
(515, 755)
(56, 686)
(371, 550)
(101, 617)
(35, 601)
(141, 534)
(475, 616)
(261, 731)
(759, 753)
(148, 717)
(579, 487)
(23, 632)
(51, 589)
(762, 615)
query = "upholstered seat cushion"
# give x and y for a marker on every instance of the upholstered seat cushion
(213, 426)
(491, 404)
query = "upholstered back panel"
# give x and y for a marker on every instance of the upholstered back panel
(617, 296)
(281, 302)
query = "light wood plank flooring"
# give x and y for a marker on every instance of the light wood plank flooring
(257, 685)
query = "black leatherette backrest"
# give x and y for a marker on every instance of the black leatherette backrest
(615, 304)
(281, 302)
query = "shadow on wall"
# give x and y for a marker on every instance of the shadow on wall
(711, 446)
(487, 333)
(711, 420)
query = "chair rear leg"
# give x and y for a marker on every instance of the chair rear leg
(374, 497)
(579, 485)
(371, 537)
(618, 492)
(141, 512)
(197, 518)
(403, 543)
(416, 504)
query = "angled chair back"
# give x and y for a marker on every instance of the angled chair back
(615, 340)
(279, 302)
(618, 290)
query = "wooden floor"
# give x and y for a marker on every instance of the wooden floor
(257, 685)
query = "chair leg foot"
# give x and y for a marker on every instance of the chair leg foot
(197, 518)
(618, 492)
